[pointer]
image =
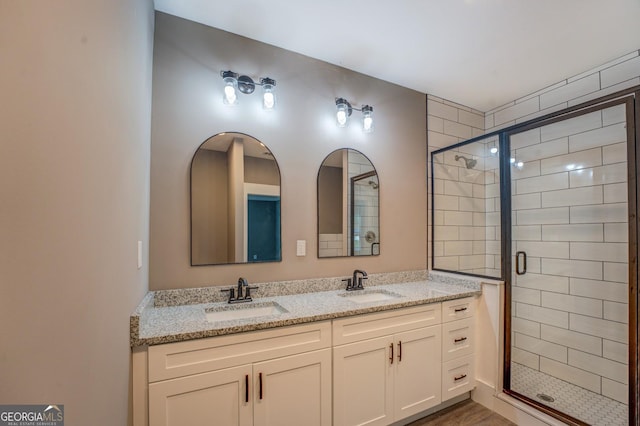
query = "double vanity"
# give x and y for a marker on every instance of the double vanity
(402, 345)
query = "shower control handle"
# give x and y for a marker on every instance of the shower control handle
(520, 271)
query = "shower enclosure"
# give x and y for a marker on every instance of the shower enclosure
(549, 206)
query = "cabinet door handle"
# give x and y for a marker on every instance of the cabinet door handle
(260, 387)
(399, 351)
(391, 356)
(460, 309)
(461, 339)
(460, 377)
(246, 388)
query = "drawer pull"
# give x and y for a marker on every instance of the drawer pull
(460, 309)
(460, 377)
(461, 339)
(391, 356)
(399, 351)
(246, 388)
(260, 381)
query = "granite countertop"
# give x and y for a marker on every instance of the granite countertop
(154, 323)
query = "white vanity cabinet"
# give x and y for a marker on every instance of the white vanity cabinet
(386, 366)
(457, 347)
(274, 377)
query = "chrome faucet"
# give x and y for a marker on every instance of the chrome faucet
(355, 282)
(244, 292)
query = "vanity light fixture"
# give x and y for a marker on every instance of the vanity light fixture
(344, 111)
(233, 82)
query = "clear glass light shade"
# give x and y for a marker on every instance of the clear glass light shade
(230, 96)
(367, 119)
(268, 97)
(342, 115)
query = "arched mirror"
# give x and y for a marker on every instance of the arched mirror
(235, 202)
(348, 205)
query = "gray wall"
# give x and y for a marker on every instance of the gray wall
(74, 183)
(330, 183)
(187, 109)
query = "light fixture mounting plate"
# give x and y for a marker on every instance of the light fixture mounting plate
(246, 84)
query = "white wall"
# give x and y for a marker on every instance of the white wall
(74, 189)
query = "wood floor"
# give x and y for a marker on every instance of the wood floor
(465, 413)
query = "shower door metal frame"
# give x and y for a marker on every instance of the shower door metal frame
(630, 98)
(352, 215)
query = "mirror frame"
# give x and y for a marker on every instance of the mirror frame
(191, 203)
(351, 214)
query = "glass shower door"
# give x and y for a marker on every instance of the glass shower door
(569, 284)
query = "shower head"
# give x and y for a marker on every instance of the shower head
(468, 162)
(373, 184)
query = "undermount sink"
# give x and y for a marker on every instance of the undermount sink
(242, 312)
(368, 296)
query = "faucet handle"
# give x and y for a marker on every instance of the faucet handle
(232, 293)
(247, 293)
(349, 284)
(360, 281)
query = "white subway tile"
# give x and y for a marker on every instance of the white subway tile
(493, 247)
(542, 183)
(620, 72)
(435, 124)
(478, 191)
(520, 140)
(438, 217)
(614, 311)
(615, 153)
(443, 171)
(543, 315)
(571, 374)
(599, 327)
(471, 233)
(573, 197)
(460, 189)
(471, 119)
(616, 193)
(571, 339)
(525, 358)
(569, 303)
(438, 248)
(446, 262)
(616, 232)
(608, 252)
(615, 351)
(438, 186)
(446, 202)
(614, 115)
(471, 204)
(572, 268)
(606, 91)
(599, 213)
(611, 173)
(457, 129)
(615, 390)
(572, 161)
(572, 126)
(471, 262)
(478, 247)
(523, 326)
(440, 140)
(525, 295)
(558, 250)
(533, 265)
(542, 112)
(515, 111)
(488, 121)
(446, 233)
(526, 233)
(492, 219)
(543, 282)
(579, 232)
(457, 248)
(577, 88)
(526, 201)
(609, 64)
(479, 219)
(556, 215)
(598, 289)
(441, 110)
(617, 272)
(472, 176)
(529, 169)
(458, 218)
(541, 347)
(612, 134)
(542, 150)
(492, 191)
(604, 367)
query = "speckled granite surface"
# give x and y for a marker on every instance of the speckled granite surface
(152, 324)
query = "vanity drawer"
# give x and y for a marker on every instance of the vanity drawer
(180, 359)
(457, 377)
(457, 339)
(369, 326)
(457, 309)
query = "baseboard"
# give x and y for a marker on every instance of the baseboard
(425, 413)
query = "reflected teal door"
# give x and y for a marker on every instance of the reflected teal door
(263, 228)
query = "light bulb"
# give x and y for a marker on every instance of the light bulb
(268, 97)
(493, 150)
(230, 97)
(367, 124)
(513, 160)
(343, 112)
(341, 117)
(367, 118)
(230, 79)
(519, 164)
(268, 100)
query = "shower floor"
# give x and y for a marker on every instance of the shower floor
(570, 399)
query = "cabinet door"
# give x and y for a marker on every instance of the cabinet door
(363, 383)
(417, 371)
(293, 390)
(217, 397)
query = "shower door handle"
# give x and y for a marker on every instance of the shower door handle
(524, 263)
